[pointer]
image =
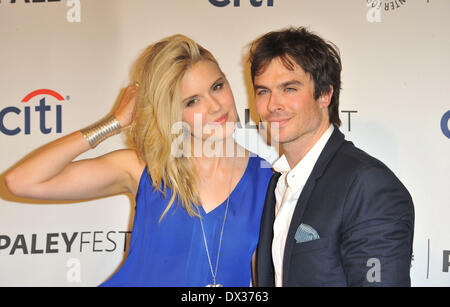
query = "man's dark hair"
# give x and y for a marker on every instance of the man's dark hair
(317, 57)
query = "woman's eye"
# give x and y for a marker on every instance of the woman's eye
(191, 102)
(218, 86)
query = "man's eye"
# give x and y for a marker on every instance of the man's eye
(290, 89)
(261, 92)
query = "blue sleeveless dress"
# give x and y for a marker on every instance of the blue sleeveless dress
(173, 253)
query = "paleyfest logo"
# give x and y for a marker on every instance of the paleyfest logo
(73, 14)
(377, 6)
(65, 243)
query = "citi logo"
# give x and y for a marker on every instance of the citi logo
(237, 3)
(45, 115)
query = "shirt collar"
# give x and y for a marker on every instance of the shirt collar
(297, 176)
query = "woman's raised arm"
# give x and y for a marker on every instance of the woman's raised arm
(50, 173)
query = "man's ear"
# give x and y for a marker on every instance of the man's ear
(325, 99)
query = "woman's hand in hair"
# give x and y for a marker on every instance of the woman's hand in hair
(126, 108)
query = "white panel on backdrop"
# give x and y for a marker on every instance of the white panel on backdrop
(394, 105)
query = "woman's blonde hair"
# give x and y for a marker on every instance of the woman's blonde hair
(159, 71)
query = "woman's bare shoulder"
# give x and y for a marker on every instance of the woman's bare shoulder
(128, 160)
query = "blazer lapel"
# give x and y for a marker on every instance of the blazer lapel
(334, 143)
(264, 265)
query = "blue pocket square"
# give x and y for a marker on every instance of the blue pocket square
(306, 233)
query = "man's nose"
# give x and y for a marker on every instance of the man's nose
(274, 104)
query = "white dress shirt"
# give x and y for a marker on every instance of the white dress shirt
(288, 189)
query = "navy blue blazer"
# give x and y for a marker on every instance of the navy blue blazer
(360, 210)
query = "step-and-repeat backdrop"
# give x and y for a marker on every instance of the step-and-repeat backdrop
(64, 62)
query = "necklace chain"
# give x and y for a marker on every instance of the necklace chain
(214, 273)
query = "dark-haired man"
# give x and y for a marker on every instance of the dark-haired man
(334, 216)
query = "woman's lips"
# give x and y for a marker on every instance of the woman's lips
(221, 120)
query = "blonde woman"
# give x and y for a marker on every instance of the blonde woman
(197, 213)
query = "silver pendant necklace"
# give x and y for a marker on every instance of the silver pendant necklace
(214, 273)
